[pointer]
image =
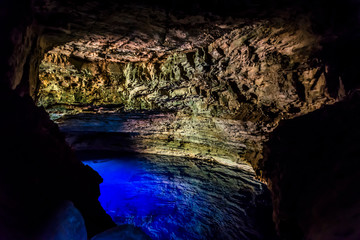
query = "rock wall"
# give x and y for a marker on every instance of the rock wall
(159, 133)
(312, 165)
(264, 68)
(261, 80)
(223, 97)
(40, 172)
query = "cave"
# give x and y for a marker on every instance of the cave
(180, 120)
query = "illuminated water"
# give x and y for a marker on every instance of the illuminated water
(181, 198)
(168, 197)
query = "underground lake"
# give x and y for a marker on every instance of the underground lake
(169, 197)
(192, 119)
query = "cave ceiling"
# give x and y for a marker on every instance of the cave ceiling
(240, 56)
(132, 33)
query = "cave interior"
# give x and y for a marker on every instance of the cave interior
(180, 120)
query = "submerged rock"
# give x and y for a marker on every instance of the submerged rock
(67, 223)
(183, 198)
(123, 232)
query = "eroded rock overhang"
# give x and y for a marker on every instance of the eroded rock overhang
(215, 86)
(45, 24)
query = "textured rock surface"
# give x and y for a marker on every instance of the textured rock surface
(39, 172)
(37, 26)
(263, 68)
(159, 133)
(66, 223)
(312, 166)
(224, 95)
(124, 232)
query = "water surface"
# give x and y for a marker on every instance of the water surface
(182, 198)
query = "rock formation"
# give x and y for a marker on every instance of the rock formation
(39, 172)
(66, 223)
(217, 78)
(223, 94)
(311, 163)
(122, 232)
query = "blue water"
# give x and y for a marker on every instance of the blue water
(180, 198)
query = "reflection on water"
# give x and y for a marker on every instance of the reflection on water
(181, 198)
